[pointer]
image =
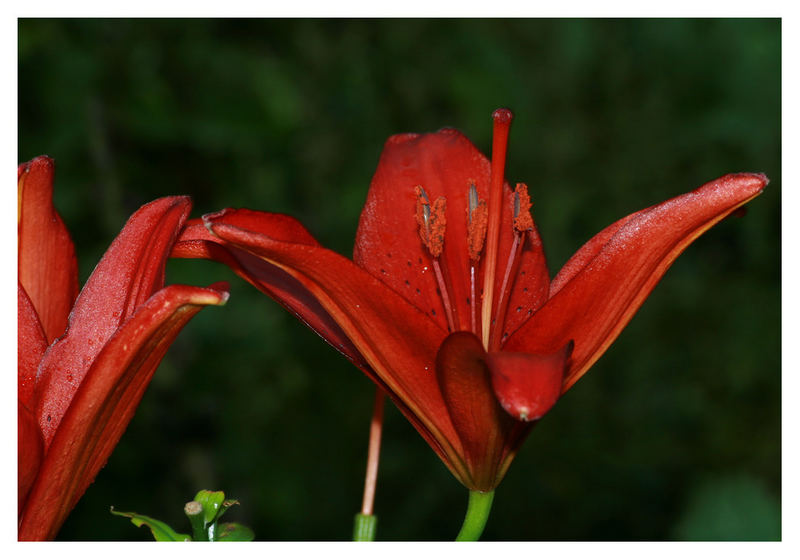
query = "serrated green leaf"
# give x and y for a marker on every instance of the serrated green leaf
(161, 531)
(211, 502)
(234, 532)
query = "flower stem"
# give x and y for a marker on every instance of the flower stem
(194, 511)
(364, 527)
(365, 522)
(480, 503)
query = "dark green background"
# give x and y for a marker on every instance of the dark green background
(674, 434)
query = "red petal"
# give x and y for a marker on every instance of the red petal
(198, 243)
(29, 452)
(604, 284)
(31, 344)
(531, 286)
(481, 424)
(397, 341)
(129, 273)
(48, 268)
(105, 403)
(444, 163)
(528, 385)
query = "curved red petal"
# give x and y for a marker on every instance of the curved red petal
(396, 340)
(528, 385)
(31, 345)
(131, 271)
(48, 268)
(531, 286)
(29, 452)
(388, 245)
(586, 253)
(609, 279)
(198, 243)
(481, 424)
(105, 403)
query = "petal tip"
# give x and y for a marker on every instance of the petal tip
(762, 177)
(224, 294)
(751, 182)
(211, 217)
(528, 385)
(217, 293)
(44, 163)
(401, 138)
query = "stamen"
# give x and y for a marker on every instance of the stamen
(432, 224)
(476, 227)
(502, 125)
(512, 266)
(473, 306)
(448, 308)
(476, 236)
(523, 222)
(432, 221)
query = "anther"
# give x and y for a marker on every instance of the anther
(522, 208)
(432, 221)
(423, 207)
(476, 224)
(432, 224)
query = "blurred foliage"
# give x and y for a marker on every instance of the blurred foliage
(730, 508)
(290, 116)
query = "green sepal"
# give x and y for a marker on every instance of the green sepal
(234, 532)
(211, 502)
(161, 531)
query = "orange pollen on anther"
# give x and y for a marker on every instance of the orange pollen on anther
(431, 220)
(522, 208)
(476, 224)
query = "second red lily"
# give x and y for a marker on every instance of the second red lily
(448, 304)
(84, 364)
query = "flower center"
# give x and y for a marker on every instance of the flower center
(484, 222)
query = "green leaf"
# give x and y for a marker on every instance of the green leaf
(161, 531)
(234, 532)
(730, 508)
(211, 502)
(225, 505)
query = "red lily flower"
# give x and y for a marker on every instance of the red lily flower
(448, 304)
(84, 364)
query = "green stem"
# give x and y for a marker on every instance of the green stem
(480, 503)
(364, 527)
(194, 511)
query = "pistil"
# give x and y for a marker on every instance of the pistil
(502, 125)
